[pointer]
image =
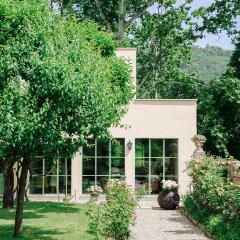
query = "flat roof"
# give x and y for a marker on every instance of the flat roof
(165, 101)
(128, 48)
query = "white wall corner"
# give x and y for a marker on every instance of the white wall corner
(130, 55)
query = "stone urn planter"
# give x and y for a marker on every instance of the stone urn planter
(168, 198)
(199, 140)
(95, 191)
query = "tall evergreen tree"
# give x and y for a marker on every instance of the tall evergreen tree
(219, 111)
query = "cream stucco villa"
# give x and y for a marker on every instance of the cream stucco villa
(154, 146)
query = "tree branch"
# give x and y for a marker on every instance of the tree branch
(102, 15)
(139, 13)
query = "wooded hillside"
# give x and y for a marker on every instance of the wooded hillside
(209, 63)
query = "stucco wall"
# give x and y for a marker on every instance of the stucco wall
(160, 119)
(150, 119)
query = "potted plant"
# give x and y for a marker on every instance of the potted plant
(168, 198)
(95, 191)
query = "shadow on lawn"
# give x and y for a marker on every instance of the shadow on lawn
(10, 215)
(51, 207)
(29, 232)
(38, 209)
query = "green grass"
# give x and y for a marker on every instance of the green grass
(48, 220)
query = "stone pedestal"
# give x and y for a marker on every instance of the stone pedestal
(199, 140)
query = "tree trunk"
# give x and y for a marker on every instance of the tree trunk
(20, 198)
(8, 192)
(121, 20)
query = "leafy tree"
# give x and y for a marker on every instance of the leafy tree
(221, 14)
(117, 15)
(219, 116)
(164, 42)
(235, 60)
(60, 82)
(219, 112)
(219, 105)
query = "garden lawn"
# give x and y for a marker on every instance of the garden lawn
(48, 220)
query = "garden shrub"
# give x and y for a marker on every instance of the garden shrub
(215, 200)
(221, 228)
(212, 188)
(112, 219)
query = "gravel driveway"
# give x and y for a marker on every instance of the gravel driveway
(153, 223)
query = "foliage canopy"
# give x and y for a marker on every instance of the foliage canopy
(65, 74)
(60, 82)
(117, 16)
(219, 116)
(164, 41)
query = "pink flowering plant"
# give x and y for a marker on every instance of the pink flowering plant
(212, 187)
(114, 218)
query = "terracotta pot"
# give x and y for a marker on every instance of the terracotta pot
(168, 200)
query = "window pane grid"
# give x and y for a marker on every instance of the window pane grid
(109, 162)
(49, 183)
(155, 160)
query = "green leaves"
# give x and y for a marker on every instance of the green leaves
(219, 115)
(57, 75)
(164, 40)
(220, 15)
(212, 189)
(112, 220)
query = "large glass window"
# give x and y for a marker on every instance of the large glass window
(102, 160)
(155, 160)
(50, 177)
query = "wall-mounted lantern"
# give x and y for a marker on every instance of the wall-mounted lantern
(129, 145)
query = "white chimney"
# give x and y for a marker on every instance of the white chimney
(130, 55)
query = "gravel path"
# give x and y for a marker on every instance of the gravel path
(153, 223)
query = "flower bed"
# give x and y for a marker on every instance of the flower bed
(215, 199)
